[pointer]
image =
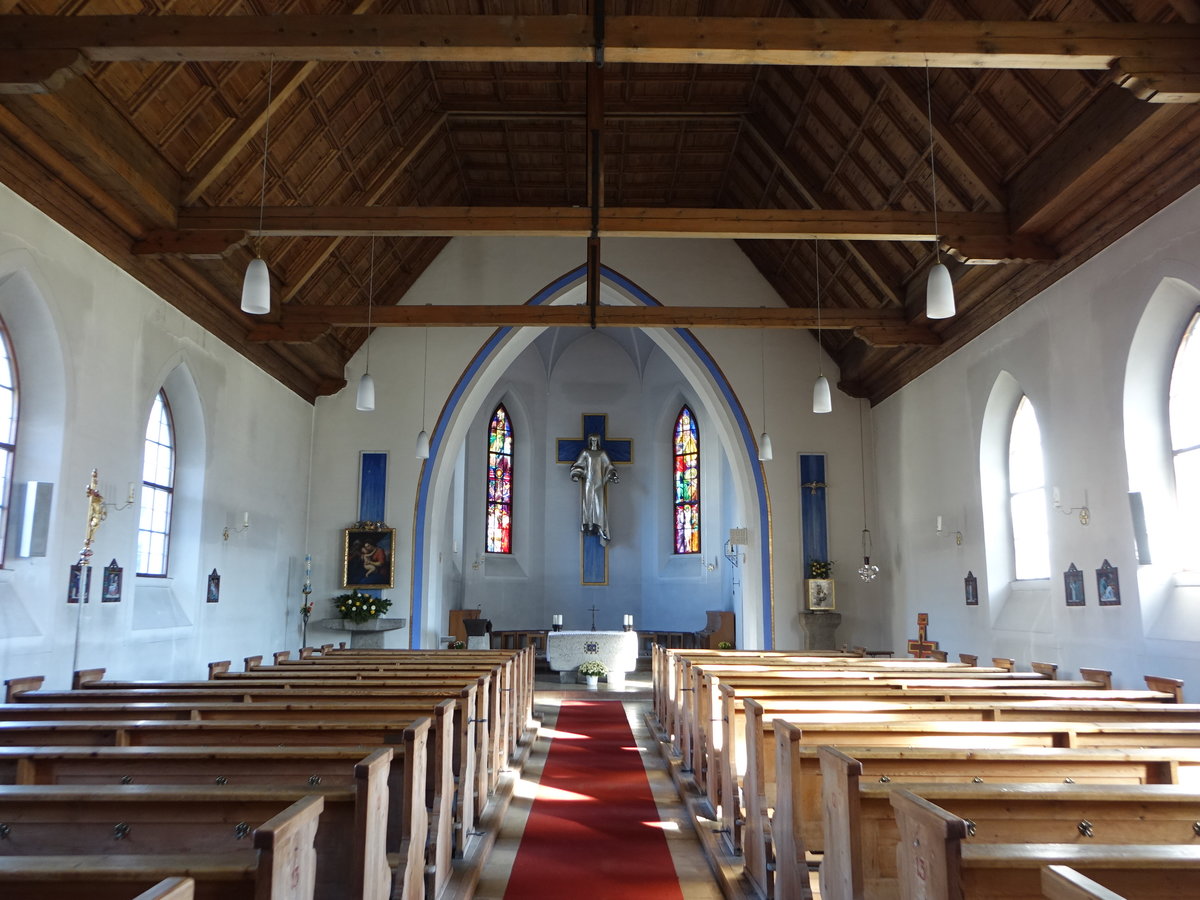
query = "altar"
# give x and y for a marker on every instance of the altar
(618, 650)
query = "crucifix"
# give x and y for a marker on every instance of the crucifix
(922, 647)
(593, 565)
(593, 612)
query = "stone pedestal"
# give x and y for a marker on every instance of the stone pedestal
(364, 635)
(819, 628)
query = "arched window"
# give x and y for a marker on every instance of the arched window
(500, 482)
(1184, 412)
(686, 476)
(8, 431)
(1027, 495)
(158, 486)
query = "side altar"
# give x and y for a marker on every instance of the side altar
(618, 650)
(366, 635)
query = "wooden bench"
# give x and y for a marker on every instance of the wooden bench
(104, 820)
(860, 833)
(281, 866)
(423, 831)
(937, 863)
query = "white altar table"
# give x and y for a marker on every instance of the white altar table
(618, 650)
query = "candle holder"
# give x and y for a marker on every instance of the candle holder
(556, 627)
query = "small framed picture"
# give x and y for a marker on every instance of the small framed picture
(79, 584)
(1108, 585)
(1073, 586)
(971, 589)
(111, 592)
(818, 594)
(213, 595)
(368, 559)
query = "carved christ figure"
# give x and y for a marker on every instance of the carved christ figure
(594, 470)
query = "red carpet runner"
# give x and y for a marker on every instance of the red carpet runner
(593, 830)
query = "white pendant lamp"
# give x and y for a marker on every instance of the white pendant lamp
(423, 437)
(939, 290)
(765, 452)
(822, 401)
(256, 286)
(366, 385)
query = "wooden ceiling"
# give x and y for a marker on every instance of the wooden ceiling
(1058, 126)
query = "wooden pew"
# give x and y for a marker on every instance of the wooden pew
(423, 831)
(280, 862)
(860, 834)
(938, 864)
(281, 866)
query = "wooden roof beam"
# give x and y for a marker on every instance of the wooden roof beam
(979, 237)
(298, 324)
(33, 44)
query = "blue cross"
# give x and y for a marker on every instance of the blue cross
(619, 450)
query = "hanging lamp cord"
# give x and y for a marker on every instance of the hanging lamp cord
(762, 352)
(262, 192)
(370, 301)
(425, 377)
(937, 254)
(817, 275)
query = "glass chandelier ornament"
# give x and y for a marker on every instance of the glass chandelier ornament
(822, 401)
(939, 290)
(256, 286)
(366, 384)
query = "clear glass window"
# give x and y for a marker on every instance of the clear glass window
(1184, 412)
(158, 486)
(1027, 495)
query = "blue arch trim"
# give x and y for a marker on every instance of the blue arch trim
(553, 289)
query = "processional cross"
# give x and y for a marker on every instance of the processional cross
(593, 565)
(922, 647)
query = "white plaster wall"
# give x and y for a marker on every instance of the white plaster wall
(1067, 349)
(488, 270)
(93, 347)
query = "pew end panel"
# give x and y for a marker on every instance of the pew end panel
(83, 677)
(24, 684)
(372, 874)
(170, 889)
(929, 854)
(287, 851)
(410, 876)
(1064, 883)
(1173, 686)
(787, 826)
(1102, 677)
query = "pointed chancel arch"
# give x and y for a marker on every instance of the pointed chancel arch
(685, 351)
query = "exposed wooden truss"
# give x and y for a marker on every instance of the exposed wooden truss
(796, 136)
(974, 237)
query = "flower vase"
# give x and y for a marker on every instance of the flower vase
(593, 682)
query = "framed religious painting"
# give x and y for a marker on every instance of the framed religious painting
(818, 594)
(1073, 586)
(213, 594)
(971, 589)
(111, 586)
(1108, 585)
(79, 585)
(368, 556)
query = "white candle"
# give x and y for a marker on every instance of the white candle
(628, 620)
(246, 520)
(558, 620)
(130, 497)
(939, 523)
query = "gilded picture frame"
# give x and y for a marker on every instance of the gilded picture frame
(819, 594)
(368, 557)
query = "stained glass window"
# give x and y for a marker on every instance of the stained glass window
(500, 484)
(686, 458)
(8, 429)
(158, 490)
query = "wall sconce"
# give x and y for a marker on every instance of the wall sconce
(128, 501)
(1085, 514)
(245, 524)
(957, 535)
(738, 537)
